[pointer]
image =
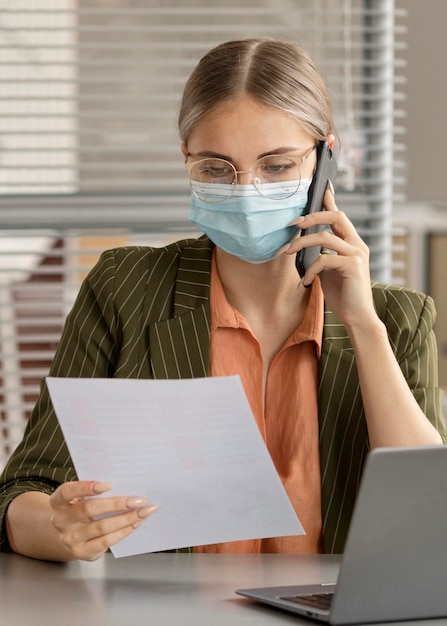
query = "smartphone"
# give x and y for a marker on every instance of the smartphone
(326, 171)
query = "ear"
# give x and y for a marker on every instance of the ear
(330, 138)
(184, 149)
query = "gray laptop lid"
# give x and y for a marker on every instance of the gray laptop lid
(395, 561)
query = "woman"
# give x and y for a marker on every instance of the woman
(331, 366)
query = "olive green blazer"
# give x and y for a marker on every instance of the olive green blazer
(144, 313)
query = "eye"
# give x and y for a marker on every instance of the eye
(215, 170)
(212, 171)
(278, 167)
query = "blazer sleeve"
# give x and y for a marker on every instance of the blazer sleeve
(409, 317)
(87, 348)
(106, 335)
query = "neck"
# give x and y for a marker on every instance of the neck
(270, 296)
(263, 285)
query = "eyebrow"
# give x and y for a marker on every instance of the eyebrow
(281, 150)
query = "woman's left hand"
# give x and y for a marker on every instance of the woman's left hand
(393, 418)
(344, 269)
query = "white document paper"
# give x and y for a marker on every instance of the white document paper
(190, 446)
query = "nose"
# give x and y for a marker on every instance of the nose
(244, 177)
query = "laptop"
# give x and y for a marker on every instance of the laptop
(395, 560)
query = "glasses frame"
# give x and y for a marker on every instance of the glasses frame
(190, 163)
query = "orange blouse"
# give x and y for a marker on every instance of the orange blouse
(288, 415)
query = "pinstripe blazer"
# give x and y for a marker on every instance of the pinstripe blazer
(144, 313)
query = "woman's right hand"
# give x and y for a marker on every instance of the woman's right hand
(88, 526)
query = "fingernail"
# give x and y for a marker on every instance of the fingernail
(331, 187)
(135, 503)
(296, 222)
(283, 249)
(148, 510)
(101, 487)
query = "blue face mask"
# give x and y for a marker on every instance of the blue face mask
(247, 224)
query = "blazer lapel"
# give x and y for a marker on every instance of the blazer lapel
(343, 433)
(179, 345)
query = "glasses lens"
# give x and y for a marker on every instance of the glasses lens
(212, 172)
(275, 176)
(277, 168)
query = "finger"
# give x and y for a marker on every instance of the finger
(89, 540)
(326, 263)
(338, 222)
(78, 489)
(329, 207)
(325, 240)
(99, 507)
(83, 509)
(93, 549)
(109, 525)
(329, 198)
(315, 269)
(333, 218)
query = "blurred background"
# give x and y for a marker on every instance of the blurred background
(90, 159)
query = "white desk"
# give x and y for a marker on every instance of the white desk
(154, 590)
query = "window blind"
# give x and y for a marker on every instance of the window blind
(89, 152)
(90, 92)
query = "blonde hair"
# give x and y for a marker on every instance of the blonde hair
(276, 73)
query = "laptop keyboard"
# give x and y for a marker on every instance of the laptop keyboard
(316, 600)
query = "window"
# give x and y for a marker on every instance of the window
(89, 154)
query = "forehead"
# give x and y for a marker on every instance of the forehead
(245, 126)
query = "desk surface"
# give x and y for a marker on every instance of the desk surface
(155, 589)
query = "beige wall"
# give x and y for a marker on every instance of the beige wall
(425, 211)
(426, 90)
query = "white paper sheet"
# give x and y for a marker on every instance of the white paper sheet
(190, 446)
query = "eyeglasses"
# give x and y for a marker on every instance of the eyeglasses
(205, 174)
